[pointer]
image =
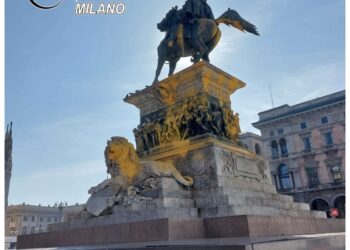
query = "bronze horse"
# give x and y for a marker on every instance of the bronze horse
(207, 36)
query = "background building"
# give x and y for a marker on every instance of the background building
(305, 144)
(28, 219)
(253, 142)
(8, 161)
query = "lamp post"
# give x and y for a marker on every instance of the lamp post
(60, 209)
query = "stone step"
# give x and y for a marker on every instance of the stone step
(248, 193)
(157, 203)
(204, 193)
(125, 216)
(152, 214)
(212, 201)
(238, 191)
(166, 192)
(242, 199)
(173, 203)
(257, 210)
(232, 182)
(171, 183)
(252, 201)
(227, 200)
(265, 199)
(273, 196)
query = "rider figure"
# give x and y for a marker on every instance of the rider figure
(188, 15)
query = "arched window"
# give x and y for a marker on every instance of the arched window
(283, 145)
(339, 203)
(257, 149)
(284, 177)
(274, 149)
(320, 205)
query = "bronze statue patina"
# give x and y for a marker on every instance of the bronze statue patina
(186, 119)
(193, 31)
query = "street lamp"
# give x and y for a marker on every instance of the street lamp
(60, 208)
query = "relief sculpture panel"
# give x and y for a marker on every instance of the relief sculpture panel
(188, 118)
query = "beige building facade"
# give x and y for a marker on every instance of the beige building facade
(305, 145)
(29, 219)
(253, 142)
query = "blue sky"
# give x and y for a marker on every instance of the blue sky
(66, 76)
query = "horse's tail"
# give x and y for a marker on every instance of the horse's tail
(232, 18)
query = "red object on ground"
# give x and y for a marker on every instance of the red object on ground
(334, 212)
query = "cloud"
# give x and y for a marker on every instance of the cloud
(292, 86)
(310, 82)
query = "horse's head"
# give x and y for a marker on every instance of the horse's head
(165, 24)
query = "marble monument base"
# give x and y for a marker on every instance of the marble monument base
(232, 197)
(228, 180)
(167, 230)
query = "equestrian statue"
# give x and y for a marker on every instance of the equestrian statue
(193, 31)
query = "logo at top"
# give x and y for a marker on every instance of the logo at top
(34, 2)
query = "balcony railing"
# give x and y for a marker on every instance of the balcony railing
(313, 188)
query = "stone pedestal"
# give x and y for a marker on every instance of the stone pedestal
(228, 179)
(193, 102)
(187, 119)
(166, 199)
(200, 78)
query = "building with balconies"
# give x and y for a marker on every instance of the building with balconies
(305, 144)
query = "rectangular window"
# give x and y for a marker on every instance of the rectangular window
(284, 148)
(284, 176)
(324, 120)
(307, 143)
(41, 218)
(328, 138)
(274, 150)
(274, 154)
(337, 176)
(48, 219)
(293, 181)
(56, 219)
(25, 218)
(303, 125)
(33, 218)
(312, 176)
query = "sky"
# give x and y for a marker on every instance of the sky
(66, 76)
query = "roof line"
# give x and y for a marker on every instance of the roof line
(303, 109)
